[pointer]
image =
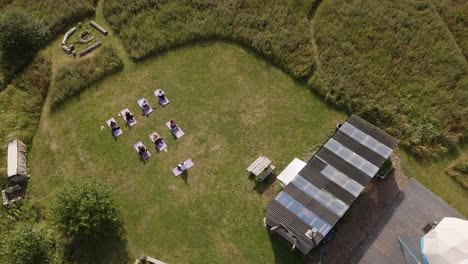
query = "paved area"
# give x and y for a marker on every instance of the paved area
(414, 207)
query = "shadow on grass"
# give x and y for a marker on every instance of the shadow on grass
(263, 186)
(184, 176)
(104, 251)
(282, 250)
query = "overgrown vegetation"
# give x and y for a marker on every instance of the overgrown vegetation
(22, 36)
(57, 15)
(455, 15)
(459, 172)
(396, 65)
(278, 29)
(28, 243)
(21, 104)
(74, 77)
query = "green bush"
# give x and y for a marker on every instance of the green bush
(21, 105)
(22, 36)
(395, 64)
(84, 211)
(84, 72)
(3, 3)
(278, 29)
(28, 244)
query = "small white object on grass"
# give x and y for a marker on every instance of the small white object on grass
(102, 128)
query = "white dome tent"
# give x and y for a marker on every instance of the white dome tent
(447, 243)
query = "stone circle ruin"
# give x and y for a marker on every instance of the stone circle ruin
(86, 37)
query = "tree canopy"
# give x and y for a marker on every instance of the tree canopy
(28, 244)
(84, 210)
(22, 35)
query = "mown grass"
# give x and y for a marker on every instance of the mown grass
(75, 76)
(21, 105)
(455, 15)
(458, 170)
(277, 29)
(233, 107)
(433, 176)
(396, 64)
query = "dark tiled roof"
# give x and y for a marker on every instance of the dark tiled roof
(331, 182)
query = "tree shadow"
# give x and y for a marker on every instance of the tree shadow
(112, 250)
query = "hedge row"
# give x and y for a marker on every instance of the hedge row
(21, 104)
(396, 64)
(278, 29)
(76, 76)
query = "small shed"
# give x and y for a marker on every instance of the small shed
(293, 169)
(17, 161)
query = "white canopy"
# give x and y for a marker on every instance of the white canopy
(291, 171)
(447, 243)
(17, 158)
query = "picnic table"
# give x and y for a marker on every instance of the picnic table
(261, 168)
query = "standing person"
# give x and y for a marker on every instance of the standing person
(182, 166)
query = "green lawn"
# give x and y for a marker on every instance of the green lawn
(432, 175)
(233, 107)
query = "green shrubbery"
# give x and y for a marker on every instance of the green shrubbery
(395, 64)
(21, 104)
(22, 36)
(58, 15)
(455, 14)
(28, 243)
(84, 211)
(277, 29)
(76, 76)
(459, 172)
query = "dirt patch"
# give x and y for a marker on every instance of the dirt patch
(353, 229)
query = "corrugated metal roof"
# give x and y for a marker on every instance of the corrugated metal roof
(330, 182)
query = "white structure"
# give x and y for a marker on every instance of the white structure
(293, 169)
(17, 161)
(447, 243)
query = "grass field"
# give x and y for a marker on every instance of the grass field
(396, 64)
(229, 102)
(432, 175)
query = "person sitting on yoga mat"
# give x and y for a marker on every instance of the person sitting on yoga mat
(173, 125)
(161, 95)
(128, 116)
(142, 150)
(182, 166)
(159, 141)
(145, 104)
(114, 126)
